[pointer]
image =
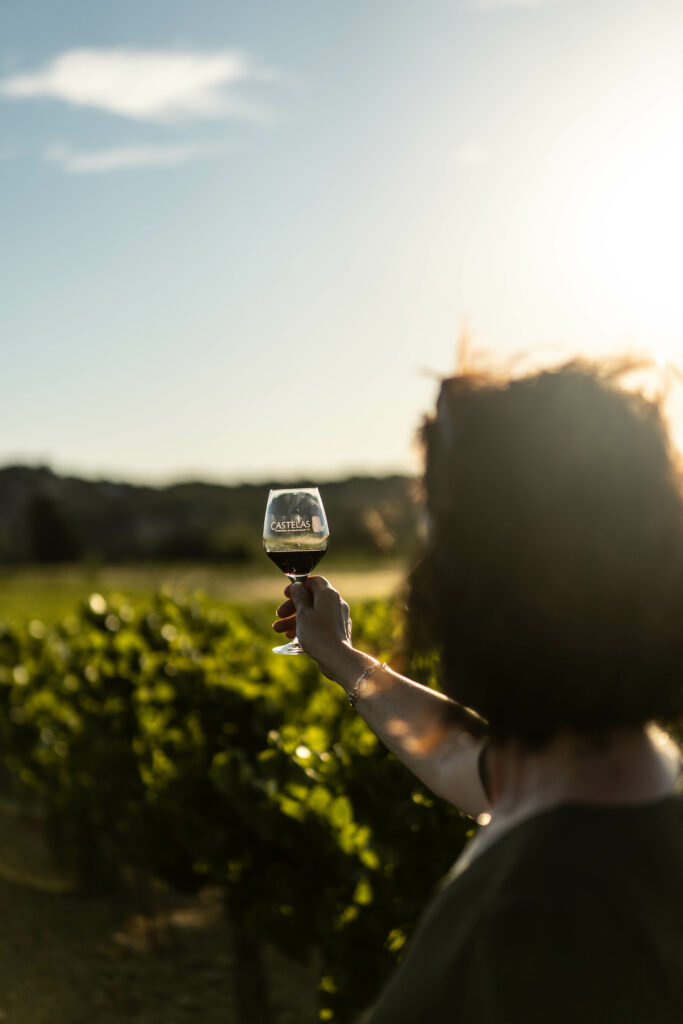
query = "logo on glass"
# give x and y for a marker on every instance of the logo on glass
(296, 525)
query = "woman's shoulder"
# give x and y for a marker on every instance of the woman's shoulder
(571, 901)
(569, 851)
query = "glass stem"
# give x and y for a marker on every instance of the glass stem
(297, 579)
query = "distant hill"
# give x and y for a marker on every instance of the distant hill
(45, 517)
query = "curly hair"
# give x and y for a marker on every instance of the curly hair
(551, 581)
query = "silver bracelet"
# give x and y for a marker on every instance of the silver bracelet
(354, 692)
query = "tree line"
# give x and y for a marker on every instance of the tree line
(48, 518)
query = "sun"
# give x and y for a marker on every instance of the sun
(621, 237)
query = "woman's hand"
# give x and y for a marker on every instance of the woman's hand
(320, 618)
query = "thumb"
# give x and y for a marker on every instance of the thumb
(300, 596)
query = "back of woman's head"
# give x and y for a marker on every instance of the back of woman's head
(552, 578)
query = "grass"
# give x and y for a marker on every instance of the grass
(49, 593)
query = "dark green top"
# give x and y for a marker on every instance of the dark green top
(574, 916)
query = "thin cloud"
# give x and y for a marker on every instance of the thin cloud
(122, 157)
(492, 5)
(147, 85)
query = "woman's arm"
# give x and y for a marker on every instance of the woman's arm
(436, 738)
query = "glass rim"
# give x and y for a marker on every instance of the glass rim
(274, 492)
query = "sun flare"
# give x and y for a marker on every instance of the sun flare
(620, 236)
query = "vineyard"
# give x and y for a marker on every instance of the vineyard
(164, 745)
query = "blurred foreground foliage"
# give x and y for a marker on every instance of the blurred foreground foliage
(168, 742)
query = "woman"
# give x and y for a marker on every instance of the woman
(552, 585)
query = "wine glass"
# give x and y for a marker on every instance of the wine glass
(295, 536)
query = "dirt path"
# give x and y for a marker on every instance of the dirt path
(353, 584)
(68, 960)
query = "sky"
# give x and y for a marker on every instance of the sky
(241, 240)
